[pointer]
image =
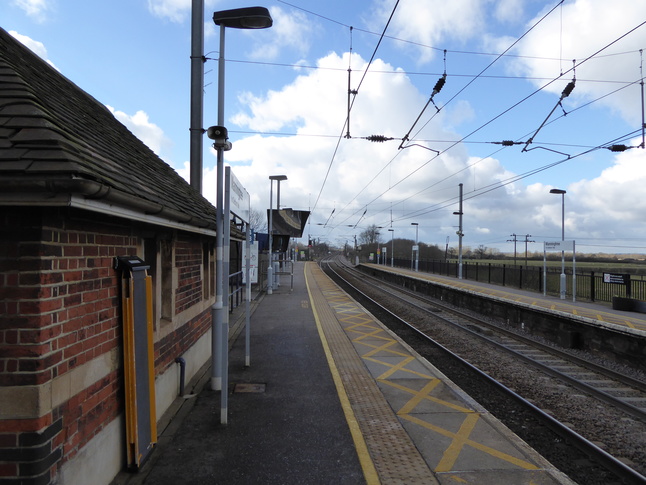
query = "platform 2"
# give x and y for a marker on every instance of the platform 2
(332, 396)
(586, 311)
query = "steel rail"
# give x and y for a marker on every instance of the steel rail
(633, 411)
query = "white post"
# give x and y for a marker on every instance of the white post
(247, 362)
(270, 269)
(217, 316)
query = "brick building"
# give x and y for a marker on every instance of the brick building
(78, 189)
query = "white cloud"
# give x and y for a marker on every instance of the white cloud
(509, 10)
(315, 106)
(432, 22)
(149, 133)
(178, 10)
(35, 9)
(173, 10)
(289, 31)
(613, 200)
(587, 26)
(36, 47)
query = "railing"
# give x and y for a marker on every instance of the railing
(589, 285)
(236, 293)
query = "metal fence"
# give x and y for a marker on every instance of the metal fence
(589, 285)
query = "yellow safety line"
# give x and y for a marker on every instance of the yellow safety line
(419, 397)
(434, 399)
(452, 453)
(474, 444)
(398, 367)
(368, 466)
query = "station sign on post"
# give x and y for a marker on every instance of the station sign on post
(239, 199)
(559, 245)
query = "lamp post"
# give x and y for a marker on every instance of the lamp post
(416, 246)
(270, 269)
(392, 247)
(239, 18)
(562, 281)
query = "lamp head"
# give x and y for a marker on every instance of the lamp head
(244, 18)
(558, 191)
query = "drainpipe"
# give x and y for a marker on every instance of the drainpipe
(182, 372)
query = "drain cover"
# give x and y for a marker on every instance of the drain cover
(249, 387)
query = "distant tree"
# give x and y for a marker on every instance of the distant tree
(430, 252)
(481, 252)
(258, 221)
(369, 236)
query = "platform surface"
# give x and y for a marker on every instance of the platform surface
(597, 312)
(332, 397)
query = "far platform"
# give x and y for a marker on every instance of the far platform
(629, 321)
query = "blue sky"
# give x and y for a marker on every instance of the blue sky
(507, 64)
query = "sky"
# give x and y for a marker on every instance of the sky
(342, 98)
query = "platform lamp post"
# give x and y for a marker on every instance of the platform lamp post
(416, 245)
(392, 247)
(239, 18)
(562, 281)
(270, 269)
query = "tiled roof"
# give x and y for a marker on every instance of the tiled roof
(55, 138)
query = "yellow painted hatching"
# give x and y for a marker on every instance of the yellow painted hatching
(380, 347)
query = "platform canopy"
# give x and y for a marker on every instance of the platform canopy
(288, 222)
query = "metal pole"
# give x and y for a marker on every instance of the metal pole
(270, 270)
(277, 209)
(217, 314)
(460, 239)
(224, 340)
(197, 93)
(248, 294)
(574, 271)
(417, 244)
(563, 284)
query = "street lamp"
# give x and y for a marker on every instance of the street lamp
(416, 251)
(392, 247)
(239, 18)
(270, 269)
(562, 283)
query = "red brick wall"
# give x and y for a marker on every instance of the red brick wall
(175, 344)
(59, 309)
(188, 260)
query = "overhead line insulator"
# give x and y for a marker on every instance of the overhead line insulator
(568, 90)
(439, 85)
(378, 138)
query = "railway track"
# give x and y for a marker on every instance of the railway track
(581, 376)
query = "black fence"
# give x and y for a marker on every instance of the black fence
(589, 286)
